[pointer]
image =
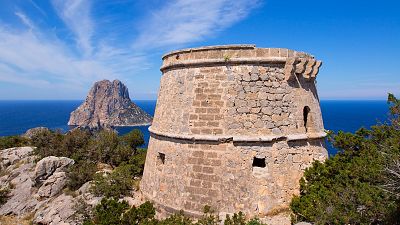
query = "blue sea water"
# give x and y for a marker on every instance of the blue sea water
(18, 116)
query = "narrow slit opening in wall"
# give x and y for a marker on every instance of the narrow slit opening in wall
(259, 162)
(161, 158)
(306, 112)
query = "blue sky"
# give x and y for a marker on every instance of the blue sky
(56, 49)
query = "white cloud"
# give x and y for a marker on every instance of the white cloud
(36, 58)
(76, 15)
(38, 8)
(30, 59)
(25, 20)
(185, 21)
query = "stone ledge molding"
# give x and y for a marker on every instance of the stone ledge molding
(239, 138)
(205, 62)
(309, 68)
(207, 48)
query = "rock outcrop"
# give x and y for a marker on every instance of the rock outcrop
(108, 105)
(37, 190)
(34, 131)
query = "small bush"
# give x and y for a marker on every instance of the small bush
(117, 184)
(48, 143)
(133, 139)
(13, 141)
(83, 212)
(74, 141)
(144, 214)
(80, 173)
(237, 219)
(102, 147)
(109, 212)
(178, 219)
(4, 195)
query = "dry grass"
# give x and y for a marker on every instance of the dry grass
(12, 220)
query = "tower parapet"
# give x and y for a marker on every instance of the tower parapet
(234, 128)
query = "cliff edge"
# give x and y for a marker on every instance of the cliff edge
(108, 104)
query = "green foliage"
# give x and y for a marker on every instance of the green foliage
(176, 219)
(103, 146)
(116, 184)
(109, 212)
(134, 139)
(48, 143)
(120, 181)
(237, 219)
(136, 163)
(83, 212)
(254, 221)
(348, 187)
(80, 173)
(13, 141)
(4, 194)
(209, 217)
(144, 214)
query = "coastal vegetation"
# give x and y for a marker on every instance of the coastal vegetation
(111, 211)
(13, 141)
(358, 185)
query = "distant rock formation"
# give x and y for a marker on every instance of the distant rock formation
(34, 131)
(108, 105)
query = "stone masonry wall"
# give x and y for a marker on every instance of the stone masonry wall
(222, 175)
(234, 128)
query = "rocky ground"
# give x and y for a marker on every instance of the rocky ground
(37, 189)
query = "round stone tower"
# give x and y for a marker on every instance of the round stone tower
(234, 128)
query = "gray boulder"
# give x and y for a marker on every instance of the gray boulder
(57, 212)
(12, 155)
(18, 175)
(49, 165)
(52, 185)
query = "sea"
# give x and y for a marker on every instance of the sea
(17, 116)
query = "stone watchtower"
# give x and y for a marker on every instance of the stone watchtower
(234, 128)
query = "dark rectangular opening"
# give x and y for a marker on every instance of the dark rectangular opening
(161, 158)
(259, 162)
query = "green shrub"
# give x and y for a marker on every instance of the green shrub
(103, 145)
(80, 173)
(74, 141)
(83, 212)
(134, 139)
(348, 188)
(209, 217)
(13, 141)
(116, 184)
(109, 212)
(178, 219)
(237, 219)
(4, 195)
(48, 143)
(144, 214)
(136, 163)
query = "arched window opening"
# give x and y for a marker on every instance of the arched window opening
(306, 112)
